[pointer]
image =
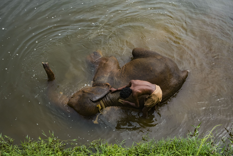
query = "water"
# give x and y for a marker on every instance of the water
(197, 35)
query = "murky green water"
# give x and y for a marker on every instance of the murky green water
(197, 35)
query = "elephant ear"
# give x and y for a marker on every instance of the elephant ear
(98, 92)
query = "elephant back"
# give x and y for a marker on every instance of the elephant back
(158, 70)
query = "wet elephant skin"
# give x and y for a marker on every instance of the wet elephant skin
(145, 65)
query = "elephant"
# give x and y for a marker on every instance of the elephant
(145, 65)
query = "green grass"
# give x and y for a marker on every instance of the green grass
(192, 145)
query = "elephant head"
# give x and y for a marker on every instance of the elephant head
(85, 100)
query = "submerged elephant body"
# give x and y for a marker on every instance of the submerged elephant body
(146, 65)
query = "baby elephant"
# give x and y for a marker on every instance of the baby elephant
(146, 65)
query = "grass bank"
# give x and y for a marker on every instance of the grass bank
(191, 145)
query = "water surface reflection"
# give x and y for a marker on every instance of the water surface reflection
(197, 35)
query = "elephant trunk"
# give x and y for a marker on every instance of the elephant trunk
(111, 99)
(55, 97)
